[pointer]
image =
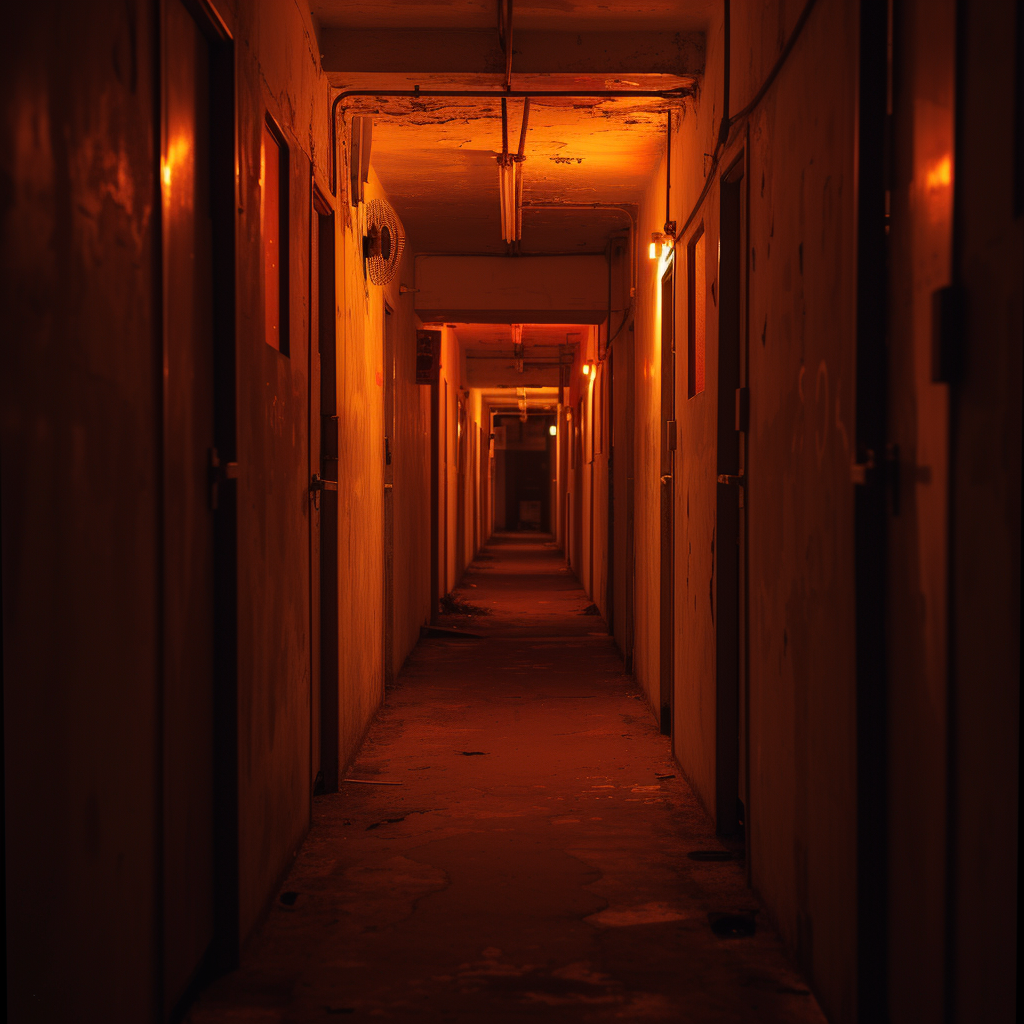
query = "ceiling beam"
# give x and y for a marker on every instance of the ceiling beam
(494, 373)
(502, 289)
(347, 54)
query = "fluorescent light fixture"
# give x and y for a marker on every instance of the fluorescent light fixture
(508, 173)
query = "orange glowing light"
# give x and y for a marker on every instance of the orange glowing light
(586, 369)
(940, 175)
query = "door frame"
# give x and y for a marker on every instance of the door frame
(323, 471)
(223, 952)
(388, 499)
(731, 503)
(666, 490)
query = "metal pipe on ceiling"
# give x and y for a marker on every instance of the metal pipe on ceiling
(519, 160)
(506, 41)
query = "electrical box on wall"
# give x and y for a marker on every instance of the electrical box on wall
(428, 356)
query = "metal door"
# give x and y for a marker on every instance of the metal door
(323, 465)
(389, 499)
(730, 525)
(666, 659)
(191, 491)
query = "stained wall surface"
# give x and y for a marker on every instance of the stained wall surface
(412, 474)
(277, 77)
(361, 470)
(798, 148)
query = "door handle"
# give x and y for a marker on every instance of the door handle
(665, 479)
(318, 484)
(727, 478)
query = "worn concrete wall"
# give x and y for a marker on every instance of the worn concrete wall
(647, 446)
(411, 463)
(79, 432)
(278, 75)
(800, 190)
(360, 498)
(623, 399)
(696, 458)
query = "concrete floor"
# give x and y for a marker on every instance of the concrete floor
(532, 862)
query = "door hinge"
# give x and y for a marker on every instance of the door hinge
(217, 473)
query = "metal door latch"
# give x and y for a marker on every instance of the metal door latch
(318, 484)
(728, 478)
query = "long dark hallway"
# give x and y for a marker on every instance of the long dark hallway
(510, 510)
(517, 847)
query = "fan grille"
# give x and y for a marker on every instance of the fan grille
(385, 241)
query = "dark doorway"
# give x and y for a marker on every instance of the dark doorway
(730, 526)
(324, 520)
(527, 469)
(668, 445)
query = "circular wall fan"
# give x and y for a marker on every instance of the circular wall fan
(383, 242)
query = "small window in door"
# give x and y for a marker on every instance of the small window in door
(274, 230)
(697, 288)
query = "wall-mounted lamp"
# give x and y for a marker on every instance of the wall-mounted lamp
(586, 369)
(661, 241)
(552, 430)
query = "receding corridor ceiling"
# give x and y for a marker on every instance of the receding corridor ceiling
(437, 161)
(437, 157)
